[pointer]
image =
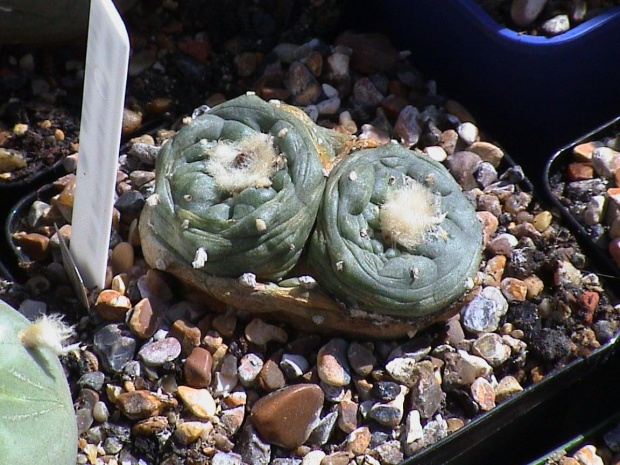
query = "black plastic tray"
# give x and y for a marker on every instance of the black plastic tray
(557, 165)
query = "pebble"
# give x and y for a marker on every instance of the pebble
(507, 387)
(462, 165)
(462, 369)
(488, 152)
(188, 432)
(323, 430)
(226, 458)
(468, 132)
(365, 92)
(550, 344)
(137, 405)
(491, 347)
(332, 364)
(32, 309)
(225, 324)
(199, 402)
(197, 368)
(93, 380)
(385, 390)
(587, 455)
(389, 413)
(260, 333)
(436, 153)
(150, 426)
(605, 161)
(305, 89)
(358, 440)
(336, 458)
(390, 452)
(287, 417)
(249, 367)
(34, 245)
(483, 313)
(157, 353)
(502, 244)
(407, 128)
(270, 377)
(115, 346)
(145, 319)
(145, 152)
(131, 121)
(232, 419)
(513, 289)
(483, 393)
(100, 412)
(112, 305)
(294, 365)
(413, 427)
(347, 415)
(188, 335)
(525, 12)
(314, 457)
(494, 271)
(122, 258)
(426, 394)
(556, 25)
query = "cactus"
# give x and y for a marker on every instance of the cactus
(395, 234)
(237, 190)
(37, 421)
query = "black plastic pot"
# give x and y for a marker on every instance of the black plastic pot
(555, 170)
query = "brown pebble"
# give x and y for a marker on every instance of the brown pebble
(347, 415)
(287, 417)
(583, 152)
(494, 270)
(137, 405)
(34, 245)
(225, 324)
(271, 377)
(145, 319)
(187, 334)
(197, 368)
(358, 440)
(487, 152)
(490, 224)
(112, 305)
(515, 290)
(454, 424)
(158, 105)
(579, 171)
(337, 458)
(371, 52)
(131, 121)
(122, 257)
(150, 426)
(158, 286)
(483, 393)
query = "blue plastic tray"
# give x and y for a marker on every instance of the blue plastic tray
(531, 93)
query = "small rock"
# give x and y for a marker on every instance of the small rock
(483, 393)
(462, 166)
(145, 319)
(159, 352)
(483, 313)
(605, 161)
(468, 132)
(122, 258)
(287, 417)
(462, 369)
(407, 128)
(232, 419)
(115, 346)
(413, 427)
(314, 457)
(304, 87)
(389, 413)
(358, 440)
(550, 344)
(228, 458)
(513, 289)
(294, 365)
(347, 415)
(270, 377)
(385, 390)
(188, 335)
(131, 121)
(426, 393)
(491, 347)
(390, 452)
(556, 25)
(150, 426)
(324, 429)
(34, 245)
(508, 386)
(137, 405)
(197, 368)
(587, 456)
(249, 367)
(112, 305)
(502, 244)
(189, 431)
(199, 402)
(524, 12)
(487, 152)
(225, 324)
(332, 365)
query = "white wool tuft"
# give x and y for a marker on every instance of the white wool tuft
(49, 332)
(408, 213)
(249, 162)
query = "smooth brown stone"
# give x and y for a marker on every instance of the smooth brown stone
(287, 417)
(145, 319)
(187, 334)
(197, 368)
(123, 257)
(34, 245)
(580, 171)
(137, 405)
(371, 52)
(271, 377)
(112, 305)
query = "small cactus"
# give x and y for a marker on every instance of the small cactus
(37, 420)
(395, 234)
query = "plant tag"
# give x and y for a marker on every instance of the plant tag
(105, 78)
(72, 271)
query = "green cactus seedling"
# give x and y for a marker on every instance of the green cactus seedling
(37, 420)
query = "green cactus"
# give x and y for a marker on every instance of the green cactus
(37, 420)
(395, 234)
(237, 190)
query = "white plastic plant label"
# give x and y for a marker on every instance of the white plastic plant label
(107, 59)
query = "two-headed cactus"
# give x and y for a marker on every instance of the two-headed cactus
(37, 420)
(236, 198)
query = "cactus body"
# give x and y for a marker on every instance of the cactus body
(37, 420)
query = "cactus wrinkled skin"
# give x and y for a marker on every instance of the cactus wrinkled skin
(237, 190)
(395, 234)
(37, 420)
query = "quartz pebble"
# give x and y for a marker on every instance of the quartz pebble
(332, 364)
(159, 352)
(199, 402)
